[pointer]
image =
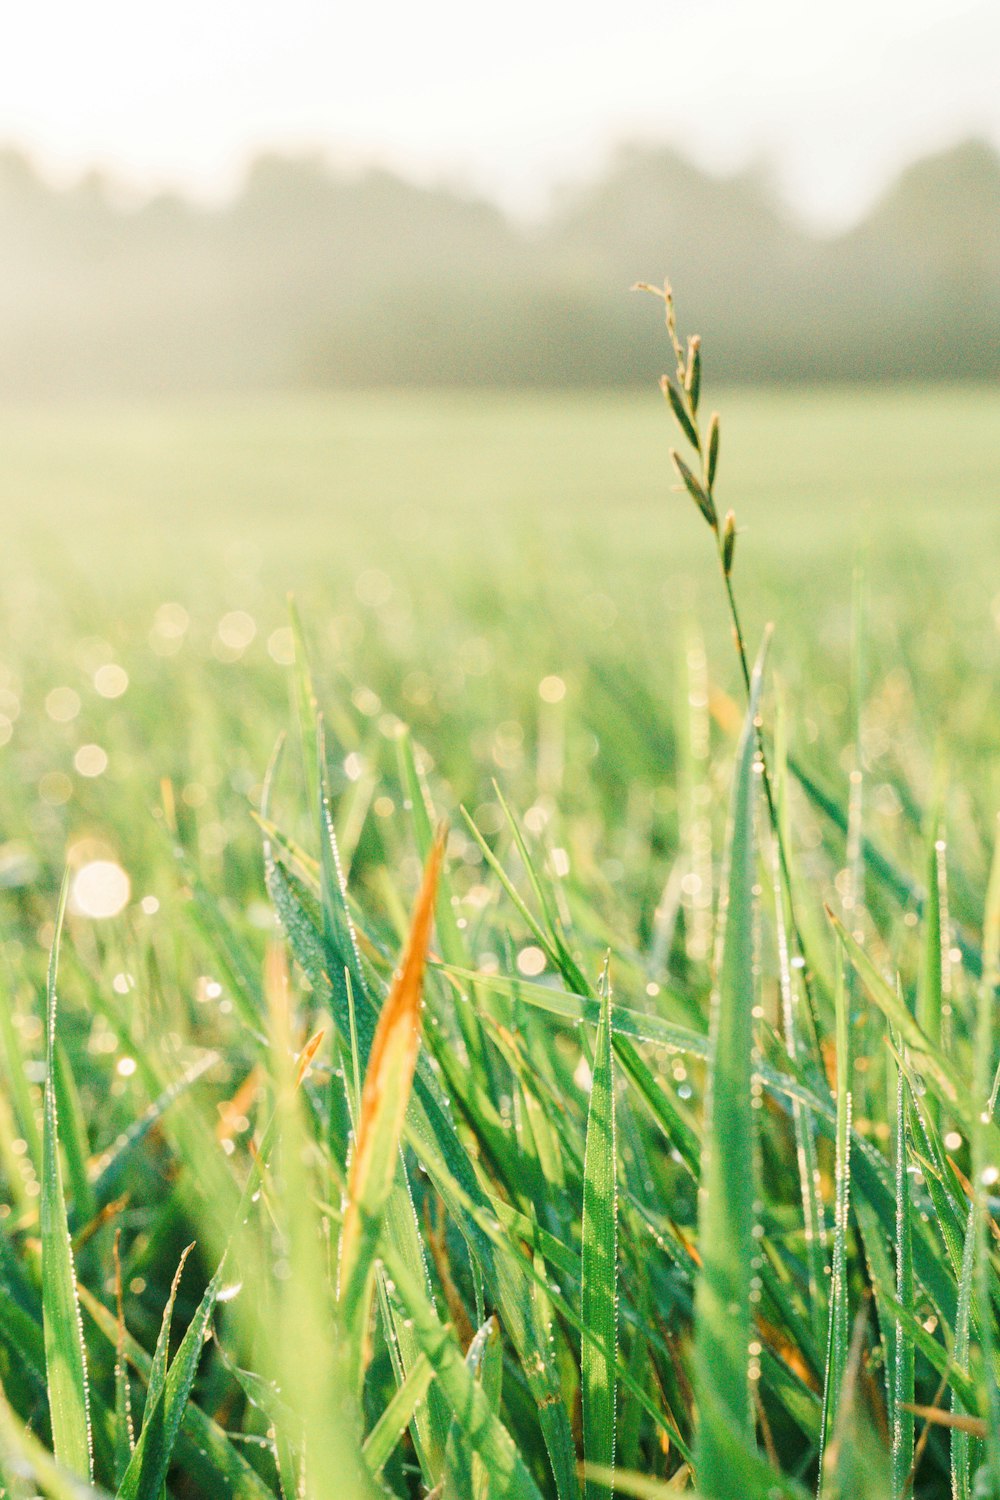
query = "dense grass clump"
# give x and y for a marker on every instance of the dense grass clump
(633, 1132)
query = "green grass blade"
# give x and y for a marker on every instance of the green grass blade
(640, 1026)
(65, 1354)
(481, 1427)
(727, 1214)
(599, 1281)
(340, 941)
(466, 1476)
(73, 1140)
(161, 1353)
(984, 1175)
(930, 986)
(903, 1368)
(161, 1425)
(203, 1447)
(453, 945)
(392, 1424)
(962, 1445)
(124, 1426)
(838, 1342)
(12, 1056)
(813, 1218)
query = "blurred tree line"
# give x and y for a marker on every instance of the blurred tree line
(315, 278)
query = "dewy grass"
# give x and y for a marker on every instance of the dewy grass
(642, 1175)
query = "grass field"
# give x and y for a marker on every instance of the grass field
(516, 579)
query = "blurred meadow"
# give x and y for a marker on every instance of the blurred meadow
(449, 552)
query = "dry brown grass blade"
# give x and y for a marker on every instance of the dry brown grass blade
(956, 1419)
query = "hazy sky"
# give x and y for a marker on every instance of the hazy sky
(504, 97)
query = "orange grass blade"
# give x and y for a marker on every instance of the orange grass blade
(306, 1056)
(388, 1079)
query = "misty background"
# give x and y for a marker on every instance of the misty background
(310, 276)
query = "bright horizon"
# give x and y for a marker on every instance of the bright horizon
(505, 106)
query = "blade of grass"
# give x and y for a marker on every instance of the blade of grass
(813, 1218)
(161, 1425)
(453, 945)
(838, 1341)
(388, 1431)
(903, 1369)
(570, 1006)
(384, 1100)
(161, 1353)
(930, 982)
(309, 1362)
(599, 1239)
(985, 1172)
(65, 1353)
(962, 1454)
(124, 1428)
(466, 1477)
(727, 1207)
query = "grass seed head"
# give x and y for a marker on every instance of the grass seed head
(696, 490)
(728, 542)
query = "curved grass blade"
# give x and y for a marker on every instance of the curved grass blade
(723, 1324)
(599, 1235)
(65, 1354)
(813, 1218)
(985, 1172)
